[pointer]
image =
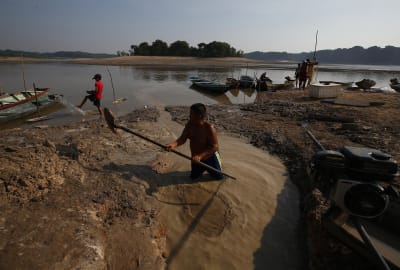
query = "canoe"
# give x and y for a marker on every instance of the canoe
(246, 81)
(214, 87)
(194, 79)
(344, 84)
(365, 83)
(17, 105)
(395, 85)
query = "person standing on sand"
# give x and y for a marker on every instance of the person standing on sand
(95, 95)
(310, 70)
(203, 143)
(297, 76)
(303, 75)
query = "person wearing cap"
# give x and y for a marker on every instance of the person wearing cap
(203, 143)
(95, 95)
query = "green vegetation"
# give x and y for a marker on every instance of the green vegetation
(357, 55)
(182, 48)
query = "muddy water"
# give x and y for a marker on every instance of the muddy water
(248, 223)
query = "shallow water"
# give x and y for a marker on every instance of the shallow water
(159, 86)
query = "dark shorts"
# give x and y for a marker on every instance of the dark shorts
(92, 98)
(213, 161)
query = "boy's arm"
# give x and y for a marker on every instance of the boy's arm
(181, 140)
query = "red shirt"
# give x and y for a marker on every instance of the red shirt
(99, 89)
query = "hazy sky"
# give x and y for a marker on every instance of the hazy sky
(253, 25)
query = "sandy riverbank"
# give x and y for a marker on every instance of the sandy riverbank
(80, 196)
(152, 61)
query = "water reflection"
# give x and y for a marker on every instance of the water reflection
(162, 86)
(219, 98)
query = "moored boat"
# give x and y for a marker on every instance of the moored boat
(395, 85)
(17, 105)
(365, 83)
(247, 81)
(194, 79)
(345, 85)
(217, 88)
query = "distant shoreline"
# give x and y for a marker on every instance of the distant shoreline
(152, 61)
(192, 62)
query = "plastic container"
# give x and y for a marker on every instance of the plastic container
(320, 90)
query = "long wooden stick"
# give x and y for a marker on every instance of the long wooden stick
(23, 70)
(109, 117)
(315, 47)
(112, 83)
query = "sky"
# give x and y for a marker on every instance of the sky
(105, 26)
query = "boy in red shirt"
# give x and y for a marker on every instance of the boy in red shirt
(95, 95)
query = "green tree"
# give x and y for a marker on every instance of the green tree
(179, 48)
(159, 48)
(217, 49)
(142, 49)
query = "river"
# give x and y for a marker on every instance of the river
(161, 86)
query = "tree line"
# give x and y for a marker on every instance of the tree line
(388, 55)
(182, 48)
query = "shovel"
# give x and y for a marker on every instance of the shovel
(110, 119)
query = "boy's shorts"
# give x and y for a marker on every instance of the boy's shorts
(213, 161)
(92, 98)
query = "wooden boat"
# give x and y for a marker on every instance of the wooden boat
(395, 85)
(246, 81)
(232, 83)
(365, 83)
(194, 79)
(345, 85)
(214, 87)
(17, 105)
(204, 84)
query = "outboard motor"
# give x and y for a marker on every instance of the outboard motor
(356, 179)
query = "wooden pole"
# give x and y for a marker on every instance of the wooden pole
(112, 83)
(23, 70)
(37, 102)
(315, 47)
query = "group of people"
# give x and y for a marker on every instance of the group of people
(304, 73)
(202, 135)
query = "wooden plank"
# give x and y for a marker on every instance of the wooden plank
(387, 244)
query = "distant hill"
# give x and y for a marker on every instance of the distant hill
(357, 55)
(60, 54)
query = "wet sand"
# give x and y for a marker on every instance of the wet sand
(231, 224)
(79, 196)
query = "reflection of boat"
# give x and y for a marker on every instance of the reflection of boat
(17, 105)
(395, 85)
(248, 91)
(234, 91)
(220, 98)
(345, 85)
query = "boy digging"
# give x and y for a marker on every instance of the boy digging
(203, 143)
